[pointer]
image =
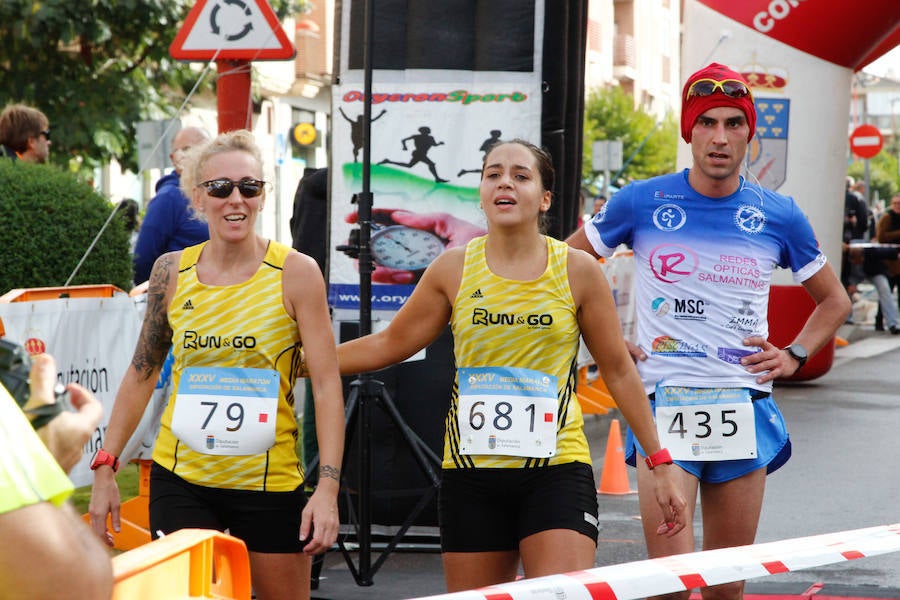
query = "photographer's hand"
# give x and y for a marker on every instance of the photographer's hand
(68, 432)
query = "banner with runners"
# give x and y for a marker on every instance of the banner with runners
(434, 114)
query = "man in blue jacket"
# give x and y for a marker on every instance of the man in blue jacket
(168, 222)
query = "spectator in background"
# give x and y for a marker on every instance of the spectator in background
(129, 209)
(855, 210)
(888, 232)
(855, 222)
(863, 214)
(309, 230)
(24, 134)
(872, 262)
(168, 222)
(309, 223)
(599, 201)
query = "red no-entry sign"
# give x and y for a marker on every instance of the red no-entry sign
(866, 141)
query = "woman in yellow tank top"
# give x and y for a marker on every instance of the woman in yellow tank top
(233, 310)
(517, 482)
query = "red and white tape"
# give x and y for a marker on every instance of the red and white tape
(688, 571)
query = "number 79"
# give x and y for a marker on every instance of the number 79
(229, 410)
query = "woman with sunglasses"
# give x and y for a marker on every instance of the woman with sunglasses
(234, 310)
(706, 243)
(517, 483)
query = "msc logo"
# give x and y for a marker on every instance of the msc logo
(671, 263)
(690, 306)
(690, 309)
(194, 341)
(669, 217)
(685, 309)
(481, 316)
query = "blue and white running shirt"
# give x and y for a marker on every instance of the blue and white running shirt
(703, 269)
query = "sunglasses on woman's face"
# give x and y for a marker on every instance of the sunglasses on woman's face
(222, 188)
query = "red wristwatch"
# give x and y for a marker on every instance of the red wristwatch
(102, 457)
(662, 457)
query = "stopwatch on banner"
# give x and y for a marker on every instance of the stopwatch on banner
(401, 247)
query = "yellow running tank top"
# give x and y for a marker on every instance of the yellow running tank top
(242, 325)
(499, 322)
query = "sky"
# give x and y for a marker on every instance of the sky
(888, 62)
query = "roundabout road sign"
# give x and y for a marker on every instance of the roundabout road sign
(231, 30)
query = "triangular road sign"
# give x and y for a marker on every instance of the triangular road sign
(232, 29)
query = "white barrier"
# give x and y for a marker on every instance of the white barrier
(92, 340)
(699, 569)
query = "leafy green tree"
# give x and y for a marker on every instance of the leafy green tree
(883, 175)
(610, 114)
(97, 68)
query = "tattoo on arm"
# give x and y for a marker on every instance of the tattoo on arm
(329, 471)
(156, 334)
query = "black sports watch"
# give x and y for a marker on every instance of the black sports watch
(799, 353)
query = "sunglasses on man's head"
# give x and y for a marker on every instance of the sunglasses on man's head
(46, 134)
(222, 188)
(732, 88)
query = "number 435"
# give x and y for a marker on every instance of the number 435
(703, 425)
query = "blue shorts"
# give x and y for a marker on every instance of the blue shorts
(773, 446)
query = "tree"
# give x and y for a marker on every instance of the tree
(96, 68)
(610, 114)
(883, 175)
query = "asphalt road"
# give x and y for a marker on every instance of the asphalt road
(843, 475)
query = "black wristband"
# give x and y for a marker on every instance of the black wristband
(42, 415)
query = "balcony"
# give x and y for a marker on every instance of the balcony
(624, 63)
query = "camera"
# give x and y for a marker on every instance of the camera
(15, 371)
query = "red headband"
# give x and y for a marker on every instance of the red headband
(693, 107)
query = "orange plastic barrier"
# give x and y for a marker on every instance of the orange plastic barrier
(593, 394)
(187, 564)
(52, 293)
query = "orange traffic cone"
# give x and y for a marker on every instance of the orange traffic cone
(613, 478)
